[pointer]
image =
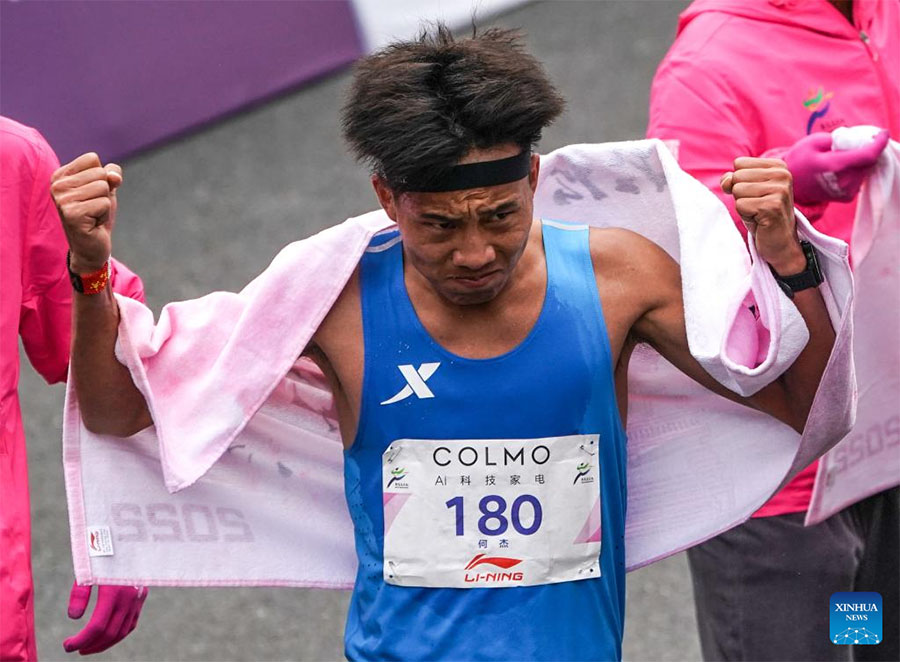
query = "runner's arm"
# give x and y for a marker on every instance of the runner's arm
(789, 398)
(110, 403)
(764, 200)
(84, 193)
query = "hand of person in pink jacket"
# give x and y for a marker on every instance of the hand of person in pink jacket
(824, 175)
(115, 615)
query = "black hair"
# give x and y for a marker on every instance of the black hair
(420, 106)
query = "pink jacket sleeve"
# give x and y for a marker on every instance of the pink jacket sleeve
(693, 105)
(45, 318)
(125, 282)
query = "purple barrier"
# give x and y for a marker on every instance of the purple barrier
(117, 77)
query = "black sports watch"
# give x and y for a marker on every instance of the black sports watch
(809, 277)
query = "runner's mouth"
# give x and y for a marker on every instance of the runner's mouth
(476, 281)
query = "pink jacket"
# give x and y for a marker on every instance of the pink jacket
(746, 77)
(35, 304)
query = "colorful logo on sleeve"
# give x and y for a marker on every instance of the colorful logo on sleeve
(818, 103)
(856, 619)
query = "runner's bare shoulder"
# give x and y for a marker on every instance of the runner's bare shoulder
(634, 274)
(623, 253)
(341, 330)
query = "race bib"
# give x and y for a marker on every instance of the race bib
(491, 512)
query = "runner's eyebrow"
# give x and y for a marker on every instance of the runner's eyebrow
(509, 206)
(440, 217)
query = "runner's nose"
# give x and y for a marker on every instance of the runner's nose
(474, 251)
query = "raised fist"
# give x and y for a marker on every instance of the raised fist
(85, 195)
(763, 197)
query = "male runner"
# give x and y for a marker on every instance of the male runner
(515, 337)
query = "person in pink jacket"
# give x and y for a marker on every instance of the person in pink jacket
(774, 78)
(36, 305)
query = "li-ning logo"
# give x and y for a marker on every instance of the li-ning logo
(817, 104)
(99, 541)
(397, 475)
(415, 382)
(503, 562)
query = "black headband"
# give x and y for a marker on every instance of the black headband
(474, 175)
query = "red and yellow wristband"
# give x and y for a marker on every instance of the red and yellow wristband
(92, 283)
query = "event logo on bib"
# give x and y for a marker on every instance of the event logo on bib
(583, 468)
(856, 618)
(397, 475)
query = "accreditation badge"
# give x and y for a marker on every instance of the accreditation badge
(476, 513)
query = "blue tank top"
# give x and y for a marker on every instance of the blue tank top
(557, 381)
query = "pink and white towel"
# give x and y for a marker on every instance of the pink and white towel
(240, 482)
(867, 461)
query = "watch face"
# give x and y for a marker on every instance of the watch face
(812, 262)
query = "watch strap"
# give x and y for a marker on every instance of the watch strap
(806, 279)
(92, 283)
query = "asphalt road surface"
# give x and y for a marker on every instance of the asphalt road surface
(210, 211)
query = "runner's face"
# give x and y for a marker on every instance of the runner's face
(467, 243)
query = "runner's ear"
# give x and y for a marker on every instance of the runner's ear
(535, 171)
(385, 196)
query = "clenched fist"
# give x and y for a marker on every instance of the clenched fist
(85, 195)
(763, 197)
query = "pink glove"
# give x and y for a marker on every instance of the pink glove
(822, 175)
(115, 615)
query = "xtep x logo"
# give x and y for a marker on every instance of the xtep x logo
(415, 382)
